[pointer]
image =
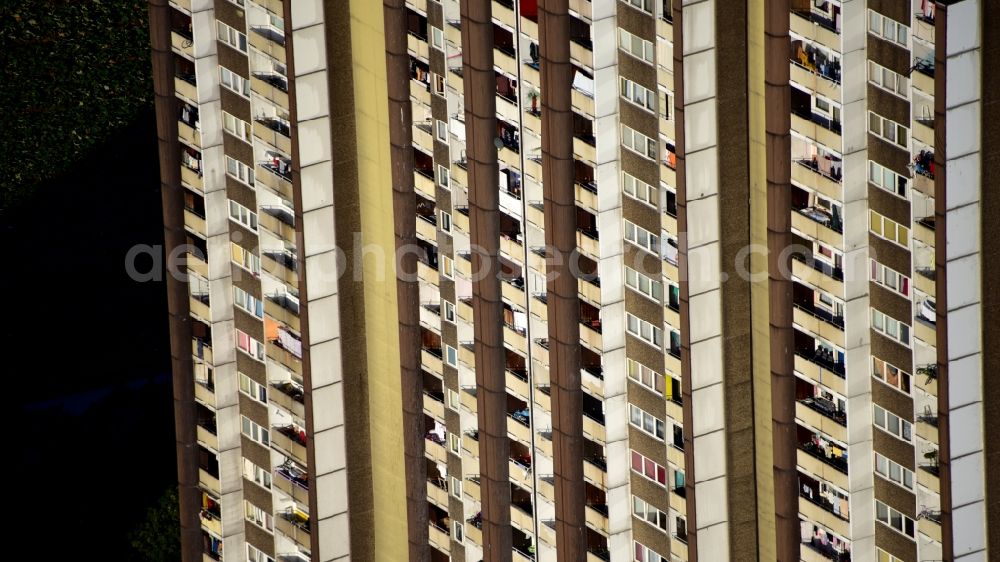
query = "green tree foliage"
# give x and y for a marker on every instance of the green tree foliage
(157, 538)
(73, 72)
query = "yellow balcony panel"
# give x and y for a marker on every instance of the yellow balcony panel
(925, 284)
(596, 520)
(530, 75)
(532, 122)
(196, 265)
(507, 109)
(437, 495)
(518, 386)
(922, 233)
(665, 29)
(511, 248)
(295, 532)
(590, 292)
(817, 326)
(595, 475)
(424, 185)
(545, 402)
(678, 503)
(582, 7)
(535, 214)
(515, 340)
(672, 363)
(289, 445)
(581, 55)
(591, 383)
(472, 446)
(586, 198)
(819, 469)
(675, 456)
(211, 523)
(418, 47)
(285, 357)
(203, 352)
(420, 94)
(923, 82)
(504, 15)
(204, 395)
(281, 314)
(807, 177)
(431, 362)
(426, 229)
(520, 519)
(675, 411)
(588, 245)
(274, 6)
(460, 174)
(455, 82)
(815, 82)
(929, 480)
(925, 332)
(297, 492)
(273, 94)
(818, 421)
(439, 538)
(186, 89)
(927, 431)
(668, 174)
(519, 431)
(678, 549)
(594, 430)
(504, 61)
(194, 223)
(188, 134)
(520, 475)
(192, 179)
(280, 397)
(274, 182)
(435, 451)
(208, 439)
(806, 28)
(185, 5)
(816, 278)
(584, 151)
(473, 534)
(817, 374)
(930, 528)
(923, 30)
(200, 309)
(434, 408)
(813, 512)
(922, 133)
(209, 482)
(278, 270)
(591, 338)
(272, 137)
(422, 137)
(267, 46)
(582, 103)
(275, 226)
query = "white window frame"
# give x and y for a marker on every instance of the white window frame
(242, 216)
(644, 285)
(456, 487)
(458, 531)
(885, 467)
(640, 190)
(644, 5)
(256, 474)
(645, 377)
(232, 36)
(256, 351)
(441, 130)
(892, 513)
(255, 432)
(639, 143)
(643, 510)
(883, 556)
(248, 303)
(254, 555)
(437, 84)
(883, 275)
(239, 171)
(447, 311)
(258, 516)
(640, 419)
(454, 443)
(879, 76)
(236, 127)
(885, 426)
(642, 473)
(878, 176)
(253, 389)
(891, 328)
(247, 259)
(234, 82)
(630, 43)
(443, 176)
(444, 221)
(900, 373)
(884, 224)
(437, 37)
(637, 94)
(645, 331)
(450, 355)
(447, 266)
(642, 238)
(887, 28)
(648, 554)
(885, 124)
(454, 400)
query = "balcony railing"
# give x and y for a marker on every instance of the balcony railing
(822, 503)
(826, 408)
(818, 19)
(818, 119)
(269, 33)
(833, 173)
(828, 551)
(276, 80)
(276, 125)
(823, 315)
(813, 450)
(823, 360)
(825, 268)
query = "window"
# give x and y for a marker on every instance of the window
(234, 82)
(637, 94)
(248, 302)
(640, 190)
(893, 471)
(459, 531)
(250, 346)
(647, 422)
(890, 327)
(642, 237)
(893, 424)
(442, 176)
(883, 177)
(645, 376)
(246, 217)
(644, 285)
(891, 375)
(638, 142)
(643, 510)
(890, 279)
(246, 259)
(635, 45)
(445, 221)
(644, 5)
(648, 468)
(447, 267)
(256, 474)
(456, 487)
(894, 519)
(441, 130)
(236, 127)
(667, 105)
(239, 170)
(455, 443)
(887, 28)
(254, 555)
(448, 311)
(253, 389)
(888, 130)
(437, 38)
(885, 228)
(453, 399)
(883, 556)
(231, 37)
(438, 82)
(450, 355)
(645, 554)
(255, 432)
(643, 330)
(888, 80)
(258, 516)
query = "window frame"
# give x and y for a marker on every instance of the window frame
(878, 180)
(254, 390)
(234, 78)
(652, 193)
(231, 36)
(887, 416)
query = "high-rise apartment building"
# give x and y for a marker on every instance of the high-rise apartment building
(620, 280)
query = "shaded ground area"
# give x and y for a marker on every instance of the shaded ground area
(87, 349)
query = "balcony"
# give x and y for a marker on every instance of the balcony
(818, 273)
(204, 393)
(289, 396)
(282, 265)
(275, 132)
(207, 434)
(191, 177)
(268, 40)
(821, 174)
(816, 551)
(817, 127)
(293, 482)
(209, 482)
(816, 27)
(822, 414)
(202, 349)
(820, 323)
(291, 440)
(282, 308)
(272, 86)
(294, 525)
(211, 518)
(186, 86)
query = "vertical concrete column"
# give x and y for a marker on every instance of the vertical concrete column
(407, 290)
(563, 292)
(487, 307)
(177, 293)
(778, 126)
